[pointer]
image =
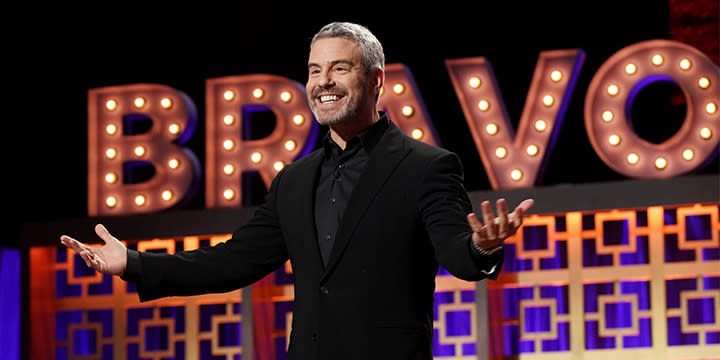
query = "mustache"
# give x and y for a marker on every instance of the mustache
(331, 90)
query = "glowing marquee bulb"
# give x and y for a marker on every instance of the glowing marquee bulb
(228, 144)
(688, 154)
(417, 134)
(633, 158)
(491, 129)
(705, 133)
(111, 105)
(229, 194)
(711, 108)
(139, 200)
(398, 88)
(110, 153)
(483, 105)
(167, 195)
(685, 64)
(228, 120)
(298, 119)
(228, 169)
(556, 75)
(228, 95)
(613, 90)
(278, 165)
(704, 82)
(110, 178)
(285, 96)
(540, 125)
(660, 163)
(474, 82)
(548, 100)
(258, 93)
(111, 201)
(407, 110)
(111, 129)
(290, 145)
(532, 150)
(630, 69)
(174, 129)
(657, 60)
(500, 152)
(139, 151)
(139, 102)
(614, 139)
(166, 103)
(173, 163)
(607, 115)
(516, 175)
(256, 157)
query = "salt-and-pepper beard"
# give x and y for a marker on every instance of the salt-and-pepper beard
(346, 113)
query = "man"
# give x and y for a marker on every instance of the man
(365, 221)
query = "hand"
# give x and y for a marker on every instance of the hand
(496, 229)
(110, 258)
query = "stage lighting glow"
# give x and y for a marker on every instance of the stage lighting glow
(258, 93)
(228, 95)
(167, 195)
(685, 64)
(540, 125)
(278, 165)
(417, 134)
(173, 163)
(140, 200)
(556, 75)
(398, 88)
(633, 158)
(532, 150)
(110, 178)
(407, 110)
(110, 153)
(483, 105)
(704, 82)
(111, 201)
(111, 129)
(500, 152)
(474, 82)
(613, 90)
(174, 129)
(256, 157)
(228, 144)
(630, 69)
(228, 120)
(285, 96)
(229, 194)
(548, 100)
(228, 169)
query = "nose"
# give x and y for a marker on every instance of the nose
(326, 80)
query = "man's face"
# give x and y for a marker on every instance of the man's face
(337, 86)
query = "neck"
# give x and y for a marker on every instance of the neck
(341, 133)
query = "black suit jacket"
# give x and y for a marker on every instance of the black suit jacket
(374, 300)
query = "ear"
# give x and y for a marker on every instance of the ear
(379, 78)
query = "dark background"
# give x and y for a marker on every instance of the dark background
(55, 58)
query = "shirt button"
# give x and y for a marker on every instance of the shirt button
(332, 200)
(324, 290)
(314, 337)
(328, 236)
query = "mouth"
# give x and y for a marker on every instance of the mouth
(329, 98)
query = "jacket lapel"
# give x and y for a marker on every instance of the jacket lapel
(384, 159)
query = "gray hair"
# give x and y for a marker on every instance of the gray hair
(373, 55)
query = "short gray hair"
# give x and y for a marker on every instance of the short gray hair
(373, 55)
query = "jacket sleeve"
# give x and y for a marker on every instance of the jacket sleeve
(254, 250)
(444, 206)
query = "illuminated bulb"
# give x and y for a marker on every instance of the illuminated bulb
(285, 96)
(407, 110)
(417, 134)
(228, 120)
(607, 115)
(228, 95)
(491, 129)
(258, 93)
(516, 175)
(229, 194)
(613, 90)
(614, 139)
(228, 144)
(110, 153)
(110, 178)
(711, 108)
(111, 129)
(688, 154)
(660, 163)
(173, 163)
(139, 102)
(174, 129)
(540, 125)
(630, 69)
(166, 103)
(532, 150)
(633, 158)
(139, 200)
(704, 82)
(278, 165)
(548, 100)
(556, 75)
(256, 157)
(111, 105)
(139, 151)
(483, 105)
(705, 133)
(167, 195)
(500, 152)
(685, 64)
(398, 88)
(289, 145)
(111, 201)
(474, 82)
(228, 169)
(298, 119)
(382, 91)
(657, 60)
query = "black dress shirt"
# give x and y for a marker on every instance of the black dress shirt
(340, 171)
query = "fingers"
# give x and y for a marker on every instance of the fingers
(502, 219)
(489, 219)
(475, 224)
(519, 212)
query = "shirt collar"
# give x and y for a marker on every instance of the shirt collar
(368, 137)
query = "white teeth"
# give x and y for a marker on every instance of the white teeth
(328, 98)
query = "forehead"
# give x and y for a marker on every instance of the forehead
(329, 50)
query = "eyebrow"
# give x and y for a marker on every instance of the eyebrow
(332, 63)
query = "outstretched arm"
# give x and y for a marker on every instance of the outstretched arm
(110, 258)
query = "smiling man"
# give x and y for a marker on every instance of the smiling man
(366, 221)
